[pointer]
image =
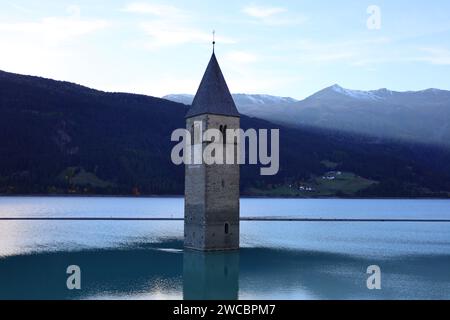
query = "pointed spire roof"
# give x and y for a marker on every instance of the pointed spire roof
(213, 96)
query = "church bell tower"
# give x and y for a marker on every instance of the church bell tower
(211, 221)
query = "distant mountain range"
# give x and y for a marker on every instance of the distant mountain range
(63, 138)
(254, 105)
(420, 116)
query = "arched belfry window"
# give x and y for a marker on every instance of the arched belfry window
(223, 131)
(224, 134)
(197, 133)
(192, 135)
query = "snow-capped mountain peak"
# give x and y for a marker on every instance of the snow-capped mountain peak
(262, 99)
(359, 94)
(240, 99)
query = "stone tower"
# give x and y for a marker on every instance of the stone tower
(212, 190)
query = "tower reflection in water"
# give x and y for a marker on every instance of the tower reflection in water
(210, 275)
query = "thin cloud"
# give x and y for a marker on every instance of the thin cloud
(262, 12)
(170, 26)
(365, 52)
(437, 56)
(241, 57)
(55, 29)
(317, 52)
(273, 16)
(44, 46)
(434, 56)
(19, 7)
(165, 33)
(161, 10)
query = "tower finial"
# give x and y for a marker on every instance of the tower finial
(214, 39)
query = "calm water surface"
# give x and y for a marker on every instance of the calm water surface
(278, 260)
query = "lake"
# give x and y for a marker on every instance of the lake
(278, 260)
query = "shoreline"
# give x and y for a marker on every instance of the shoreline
(244, 219)
(182, 196)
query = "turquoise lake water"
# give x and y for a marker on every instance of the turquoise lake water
(278, 260)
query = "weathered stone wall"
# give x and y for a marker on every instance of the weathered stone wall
(194, 198)
(212, 195)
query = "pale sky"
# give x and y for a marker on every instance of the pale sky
(286, 48)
